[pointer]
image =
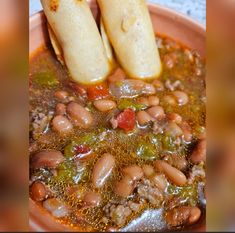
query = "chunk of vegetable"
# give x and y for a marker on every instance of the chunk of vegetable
(45, 79)
(146, 151)
(127, 103)
(126, 120)
(99, 91)
(188, 193)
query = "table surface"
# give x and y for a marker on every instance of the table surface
(196, 9)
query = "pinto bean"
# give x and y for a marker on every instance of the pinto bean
(47, 159)
(153, 100)
(199, 153)
(118, 75)
(61, 124)
(60, 109)
(170, 100)
(144, 101)
(183, 215)
(105, 105)
(124, 187)
(173, 130)
(134, 172)
(175, 175)
(182, 97)
(158, 85)
(38, 191)
(102, 170)
(148, 170)
(56, 207)
(187, 134)
(174, 117)
(61, 95)
(150, 89)
(160, 181)
(80, 116)
(156, 112)
(92, 199)
(143, 118)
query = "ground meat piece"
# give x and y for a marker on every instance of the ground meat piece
(39, 122)
(197, 172)
(114, 123)
(134, 206)
(172, 86)
(119, 214)
(159, 126)
(148, 191)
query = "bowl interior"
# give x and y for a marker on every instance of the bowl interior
(165, 22)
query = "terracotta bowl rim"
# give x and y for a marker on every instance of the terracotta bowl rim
(153, 5)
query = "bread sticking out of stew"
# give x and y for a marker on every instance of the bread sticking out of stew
(129, 28)
(76, 40)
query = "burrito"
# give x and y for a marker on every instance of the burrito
(130, 30)
(74, 29)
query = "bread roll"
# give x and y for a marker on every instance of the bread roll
(130, 30)
(77, 33)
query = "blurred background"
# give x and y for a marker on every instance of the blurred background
(193, 8)
(14, 24)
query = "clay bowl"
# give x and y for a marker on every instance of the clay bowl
(165, 22)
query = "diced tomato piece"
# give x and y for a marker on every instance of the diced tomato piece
(82, 149)
(98, 91)
(126, 120)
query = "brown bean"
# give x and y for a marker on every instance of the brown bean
(61, 124)
(183, 215)
(150, 89)
(47, 159)
(173, 130)
(170, 100)
(118, 75)
(144, 101)
(105, 105)
(38, 191)
(158, 85)
(134, 172)
(175, 175)
(174, 117)
(92, 199)
(156, 112)
(124, 187)
(80, 116)
(56, 207)
(153, 100)
(160, 181)
(61, 95)
(181, 97)
(148, 170)
(102, 170)
(199, 153)
(143, 118)
(60, 109)
(187, 134)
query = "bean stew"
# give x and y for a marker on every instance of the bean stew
(104, 155)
